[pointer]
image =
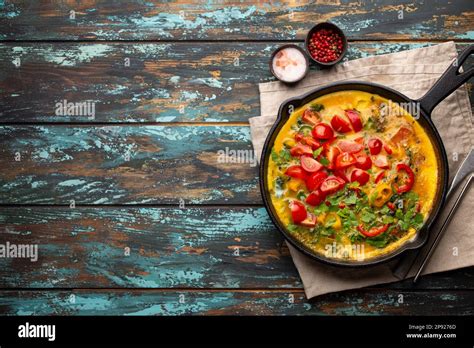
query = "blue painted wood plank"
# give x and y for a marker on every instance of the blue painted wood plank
(215, 20)
(145, 248)
(117, 302)
(127, 165)
(188, 247)
(165, 82)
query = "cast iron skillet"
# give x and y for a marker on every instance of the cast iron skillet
(448, 83)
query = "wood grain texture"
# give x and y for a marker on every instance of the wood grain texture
(232, 20)
(126, 165)
(165, 82)
(169, 248)
(139, 302)
(222, 247)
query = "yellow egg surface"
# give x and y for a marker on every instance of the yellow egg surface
(352, 175)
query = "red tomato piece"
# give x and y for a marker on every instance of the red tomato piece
(349, 146)
(331, 155)
(298, 211)
(375, 146)
(296, 172)
(345, 160)
(354, 117)
(361, 176)
(300, 150)
(322, 131)
(341, 174)
(310, 221)
(331, 184)
(314, 180)
(340, 125)
(310, 164)
(363, 162)
(381, 162)
(380, 176)
(315, 198)
(311, 117)
(310, 141)
(387, 149)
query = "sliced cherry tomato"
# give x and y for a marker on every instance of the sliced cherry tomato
(340, 125)
(349, 146)
(315, 198)
(310, 164)
(311, 117)
(300, 150)
(341, 174)
(314, 180)
(387, 149)
(361, 176)
(322, 131)
(375, 146)
(417, 206)
(380, 176)
(310, 221)
(354, 117)
(391, 206)
(408, 184)
(373, 232)
(331, 184)
(381, 162)
(299, 136)
(331, 155)
(298, 211)
(328, 143)
(296, 172)
(310, 141)
(363, 162)
(345, 160)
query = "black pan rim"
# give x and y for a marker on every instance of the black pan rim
(422, 235)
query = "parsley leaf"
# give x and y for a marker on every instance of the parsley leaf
(317, 107)
(324, 161)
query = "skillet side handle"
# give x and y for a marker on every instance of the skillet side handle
(451, 80)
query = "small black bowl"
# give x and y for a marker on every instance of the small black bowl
(326, 25)
(305, 55)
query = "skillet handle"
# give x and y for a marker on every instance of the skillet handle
(451, 80)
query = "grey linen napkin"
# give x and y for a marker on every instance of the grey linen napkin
(411, 72)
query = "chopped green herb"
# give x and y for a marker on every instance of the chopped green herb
(317, 152)
(352, 199)
(301, 195)
(324, 161)
(281, 158)
(317, 107)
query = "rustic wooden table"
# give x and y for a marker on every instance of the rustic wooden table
(102, 195)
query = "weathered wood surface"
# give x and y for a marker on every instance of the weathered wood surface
(224, 247)
(165, 82)
(244, 302)
(125, 165)
(233, 20)
(182, 259)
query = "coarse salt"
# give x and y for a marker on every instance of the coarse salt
(289, 64)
